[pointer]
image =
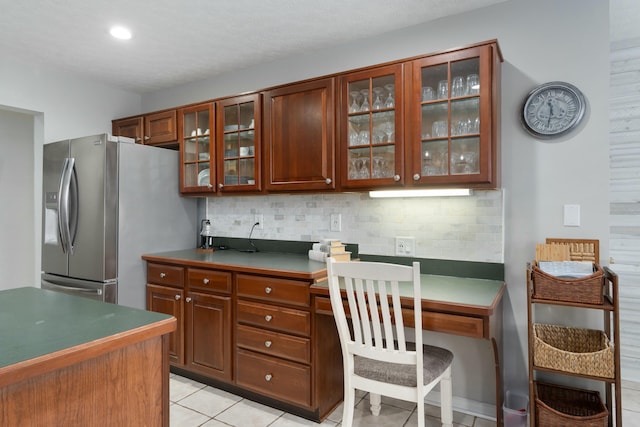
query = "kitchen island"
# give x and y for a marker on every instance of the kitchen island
(66, 360)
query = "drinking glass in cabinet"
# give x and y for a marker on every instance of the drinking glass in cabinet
(364, 107)
(465, 156)
(382, 164)
(435, 158)
(390, 101)
(473, 84)
(427, 94)
(355, 107)
(377, 103)
(443, 89)
(440, 129)
(458, 86)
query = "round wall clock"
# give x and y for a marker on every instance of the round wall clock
(553, 109)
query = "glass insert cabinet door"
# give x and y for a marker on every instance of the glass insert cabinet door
(371, 127)
(452, 126)
(238, 122)
(197, 154)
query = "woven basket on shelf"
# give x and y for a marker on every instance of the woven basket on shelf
(587, 290)
(577, 350)
(559, 406)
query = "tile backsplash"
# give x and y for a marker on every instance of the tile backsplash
(459, 228)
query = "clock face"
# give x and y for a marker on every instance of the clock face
(553, 109)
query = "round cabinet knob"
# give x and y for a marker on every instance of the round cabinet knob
(416, 176)
(267, 343)
(209, 186)
(220, 185)
(267, 290)
(268, 377)
(396, 178)
(177, 297)
(138, 139)
(268, 317)
(205, 281)
(146, 138)
(162, 275)
(328, 181)
(188, 299)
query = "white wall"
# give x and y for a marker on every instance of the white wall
(62, 106)
(570, 44)
(17, 263)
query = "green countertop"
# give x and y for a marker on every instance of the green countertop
(295, 265)
(459, 291)
(36, 322)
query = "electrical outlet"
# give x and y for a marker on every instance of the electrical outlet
(405, 246)
(259, 218)
(336, 222)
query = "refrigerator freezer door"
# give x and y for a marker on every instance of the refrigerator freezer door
(54, 258)
(106, 291)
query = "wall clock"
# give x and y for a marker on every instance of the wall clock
(553, 109)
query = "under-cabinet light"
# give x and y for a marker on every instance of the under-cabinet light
(435, 192)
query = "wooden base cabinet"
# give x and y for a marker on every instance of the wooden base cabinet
(251, 334)
(202, 342)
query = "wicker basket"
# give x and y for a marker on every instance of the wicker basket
(559, 406)
(577, 350)
(587, 290)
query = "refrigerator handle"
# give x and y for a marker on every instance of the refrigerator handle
(63, 205)
(74, 204)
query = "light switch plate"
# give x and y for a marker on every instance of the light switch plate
(572, 215)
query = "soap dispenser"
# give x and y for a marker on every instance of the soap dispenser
(206, 235)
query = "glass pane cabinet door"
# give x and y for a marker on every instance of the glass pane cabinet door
(453, 139)
(196, 127)
(371, 127)
(239, 127)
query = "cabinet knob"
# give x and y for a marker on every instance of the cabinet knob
(138, 139)
(205, 281)
(188, 299)
(267, 343)
(220, 185)
(396, 178)
(416, 176)
(177, 297)
(268, 317)
(267, 290)
(328, 181)
(162, 275)
(268, 377)
(209, 186)
(146, 138)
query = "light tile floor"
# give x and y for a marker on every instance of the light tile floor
(196, 404)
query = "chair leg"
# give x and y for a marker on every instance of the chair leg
(347, 407)
(374, 400)
(446, 399)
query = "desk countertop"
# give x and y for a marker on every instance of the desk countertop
(35, 322)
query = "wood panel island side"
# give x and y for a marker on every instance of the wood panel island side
(66, 360)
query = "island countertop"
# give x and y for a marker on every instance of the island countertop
(42, 330)
(291, 265)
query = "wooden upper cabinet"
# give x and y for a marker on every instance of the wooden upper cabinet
(238, 143)
(299, 133)
(131, 128)
(197, 149)
(454, 126)
(160, 128)
(371, 115)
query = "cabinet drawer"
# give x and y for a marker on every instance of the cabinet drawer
(448, 323)
(165, 275)
(209, 280)
(282, 380)
(274, 344)
(274, 317)
(285, 291)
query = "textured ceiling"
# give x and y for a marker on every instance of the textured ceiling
(176, 42)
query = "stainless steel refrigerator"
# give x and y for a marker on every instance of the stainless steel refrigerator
(105, 203)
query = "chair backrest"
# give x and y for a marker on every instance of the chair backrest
(378, 333)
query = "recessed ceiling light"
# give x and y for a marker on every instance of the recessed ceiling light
(120, 33)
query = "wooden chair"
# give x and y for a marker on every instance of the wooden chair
(375, 353)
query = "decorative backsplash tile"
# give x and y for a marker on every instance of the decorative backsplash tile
(459, 228)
